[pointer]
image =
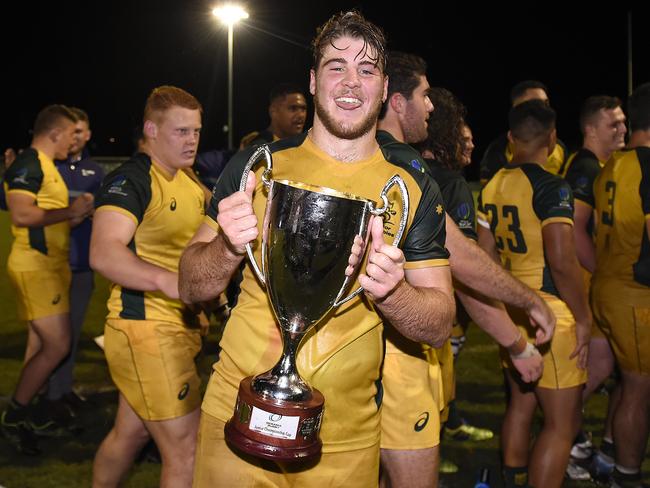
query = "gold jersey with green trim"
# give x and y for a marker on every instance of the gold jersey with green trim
(515, 205)
(167, 211)
(342, 356)
(42, 247)
(580, 171)
(622, 195)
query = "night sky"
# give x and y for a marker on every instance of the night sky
(105, 57)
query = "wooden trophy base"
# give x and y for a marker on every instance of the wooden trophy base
(275, 429)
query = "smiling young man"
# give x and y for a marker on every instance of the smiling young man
(147, 211)
(410, 287)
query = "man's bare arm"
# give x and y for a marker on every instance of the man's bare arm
(25, 213)
(585, 247)
(491, 316)
(479, 271)
(418, 303)
(211, 258)
(111, 256)
(559, 249)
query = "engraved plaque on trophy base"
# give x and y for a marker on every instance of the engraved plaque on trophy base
(275, 429)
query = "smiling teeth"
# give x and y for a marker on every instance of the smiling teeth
(348, 100)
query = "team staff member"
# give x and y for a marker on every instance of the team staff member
(147, 211)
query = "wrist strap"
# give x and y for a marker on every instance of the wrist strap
(528, 352)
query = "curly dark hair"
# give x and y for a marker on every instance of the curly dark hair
(355, 25)
(444, 128)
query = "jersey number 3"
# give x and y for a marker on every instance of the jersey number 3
(608, 215)
(515, 240)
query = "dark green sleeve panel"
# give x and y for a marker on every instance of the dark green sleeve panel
(128, 187)
(494, 157)
(552, 197)
(581, 176)
(425, 239)
(229, 180)
(460, 206)
(643, 153)
(25, 173)
(641, 268)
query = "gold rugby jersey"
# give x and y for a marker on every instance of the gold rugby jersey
(622, 196)
(342, 357)
(167, 211)
(516, 204)
(43, 247)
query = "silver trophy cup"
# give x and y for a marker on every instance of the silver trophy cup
(307, 238)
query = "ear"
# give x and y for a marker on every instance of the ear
(385, 94)
(511, 139)
(552, 141)
(55, 134)
(396, 102)
(90, 134)
(150, 129)
(312, 82)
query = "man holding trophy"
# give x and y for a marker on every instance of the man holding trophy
(311, 228)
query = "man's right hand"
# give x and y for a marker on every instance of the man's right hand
(530, 364)
(81, 207)
(542, 318)
(167, 282)
(237, 219)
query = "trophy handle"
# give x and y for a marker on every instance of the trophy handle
(404, 195)
(263, 150)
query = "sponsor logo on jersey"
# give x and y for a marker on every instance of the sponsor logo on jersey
(21, 177)
(56, 299)
(422, 422)
(117, 186)
(439, 209)
(582, 182)
(87, 172)
(416, 164)
(184, 391)
(463, 211)
(565, 198)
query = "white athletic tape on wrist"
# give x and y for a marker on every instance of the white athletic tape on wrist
(528, 352)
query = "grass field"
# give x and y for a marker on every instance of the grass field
(68, 462)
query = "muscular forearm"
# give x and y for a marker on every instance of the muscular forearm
(568, 281)
(120, 265)
(585, 250)
(33, 216)
(420, 314)
(205, 269)
(584, 243)
(490, 316)
(474, 268)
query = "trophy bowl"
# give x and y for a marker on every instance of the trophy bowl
(308, 234)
